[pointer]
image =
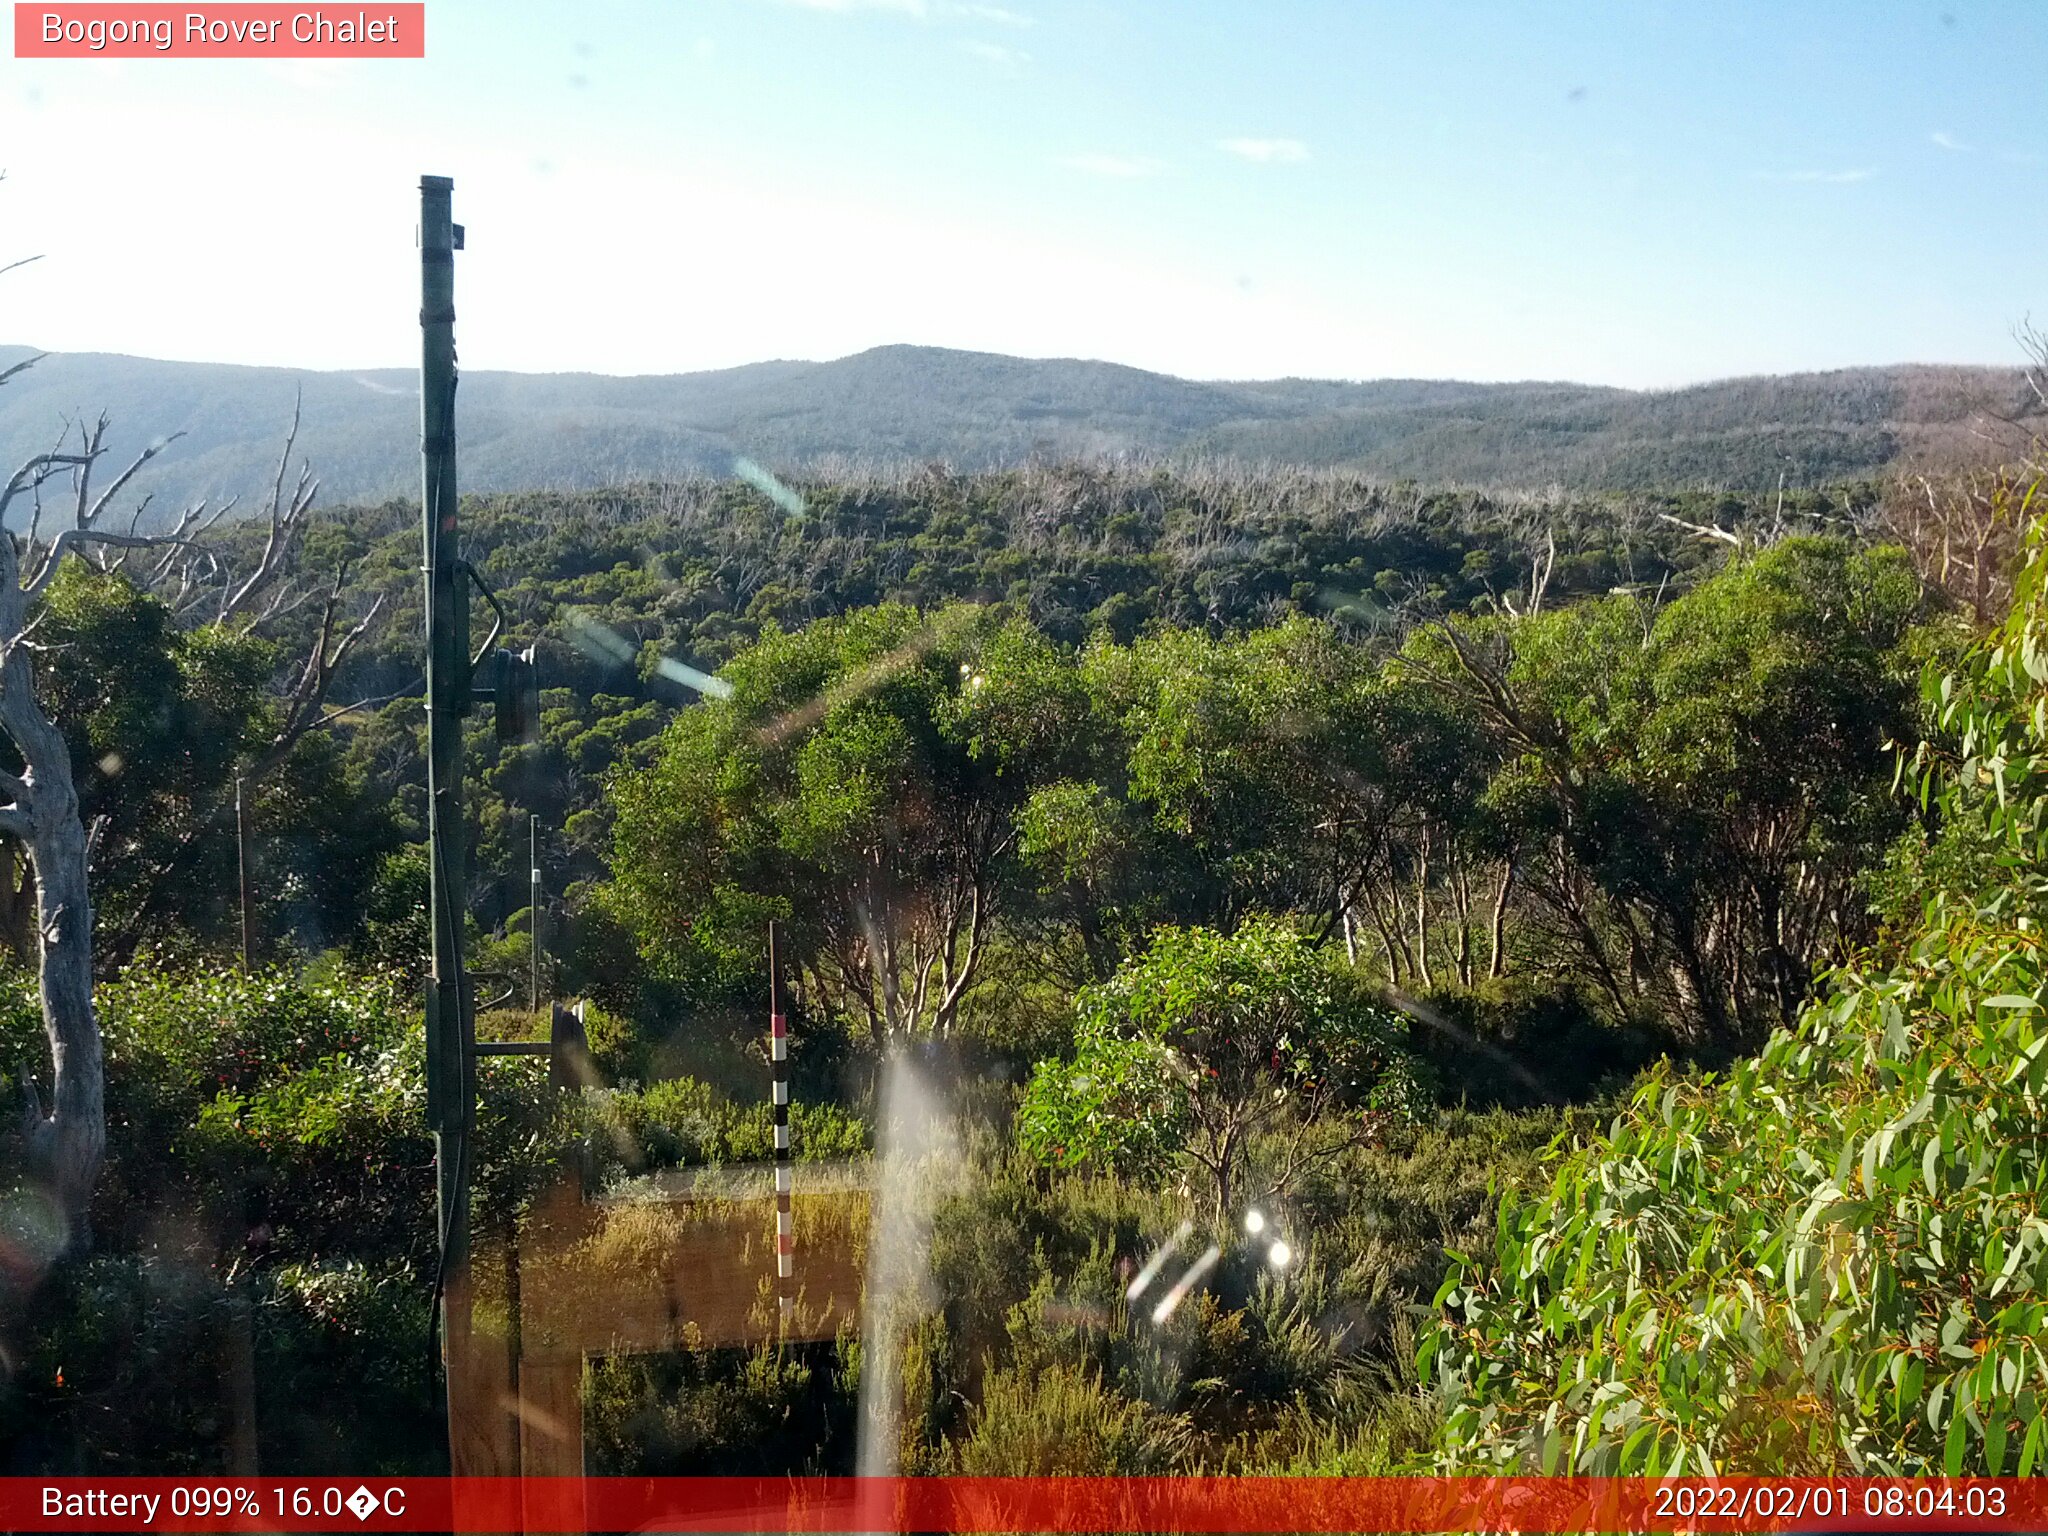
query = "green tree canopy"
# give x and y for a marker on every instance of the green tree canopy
(1208, 1045)
(1832, 1258)
(1698, 787)
(159, 717)
(851, 784)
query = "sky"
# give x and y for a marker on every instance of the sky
(1634, 193)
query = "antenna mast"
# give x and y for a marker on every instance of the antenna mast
(478, 1443)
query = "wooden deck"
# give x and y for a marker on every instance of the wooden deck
(680, 1261)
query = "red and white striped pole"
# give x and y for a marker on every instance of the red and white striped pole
(778, 1056)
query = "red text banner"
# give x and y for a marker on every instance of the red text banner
(1164, 1504)
(237, 31)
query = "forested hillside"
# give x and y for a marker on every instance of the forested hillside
(907, 406)
(936, 931)
(1278, 862)
(630, 593)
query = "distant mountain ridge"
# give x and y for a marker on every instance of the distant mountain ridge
(976, 410)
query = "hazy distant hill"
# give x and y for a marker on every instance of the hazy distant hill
(977, 410)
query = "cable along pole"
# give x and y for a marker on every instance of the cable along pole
(478, 1443)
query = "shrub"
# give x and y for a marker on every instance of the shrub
(1208, 1041)
(116, 1370)
(772, 1409)
(341, 1371)
(1061, 1421)
(1831, 1257)
(335, 1159)
(1520, 1041)
(682, 1122)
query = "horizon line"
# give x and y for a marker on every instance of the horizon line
(1527, 381)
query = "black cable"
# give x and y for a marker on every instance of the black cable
(460, 1184)
(441, 1282)
(453, 922)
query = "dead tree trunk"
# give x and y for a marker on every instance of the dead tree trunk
(66, 1139)
(66, 1143)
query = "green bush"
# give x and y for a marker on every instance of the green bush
(1389, 1439)
(116, 1369)
(397, 931)
(341, 1371)
(1521, 1041)
(127, 1365)
(1012, 1232)
(682, 1122)
(617, 1050)
(1062, 1421)
(1209, 1042)
(1832, 1257)
(735, 1413)
(335, 1159)
(187, 1052)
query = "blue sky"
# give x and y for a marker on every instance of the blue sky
(1639, 193)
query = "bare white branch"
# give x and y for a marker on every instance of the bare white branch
(27, 362)
(99, 506)
(34, 472)
(71, 537)
(1703, 530)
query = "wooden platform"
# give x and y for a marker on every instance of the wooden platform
(683, 1261)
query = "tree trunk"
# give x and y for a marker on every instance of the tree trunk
(1497, 957)
(1391, 938)
(1461, 889)
(1465, 930)
(66, 1143)
(1101, 956)
(1422, 915)
(1225, 1170)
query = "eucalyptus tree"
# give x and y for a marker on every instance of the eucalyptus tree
(1832, 1253)
(65, 1140)
(845, 779)
(1222, 1052)
(1256, 763)
(1698, 788)
(59, 522)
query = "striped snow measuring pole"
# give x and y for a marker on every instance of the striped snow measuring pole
(778, 1056)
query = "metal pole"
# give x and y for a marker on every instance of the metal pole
(242, 858)
(450, 1061)
(778, 1058)
(483, 1438)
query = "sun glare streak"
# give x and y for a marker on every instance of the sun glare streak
(762, 481)
(597, 639)
(917, 1149)
(1144, 1278)
(1197, 1272)
(680, 672)
(865, 679)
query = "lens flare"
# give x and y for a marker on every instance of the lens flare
(1144, 1278)
(1170, 1302)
